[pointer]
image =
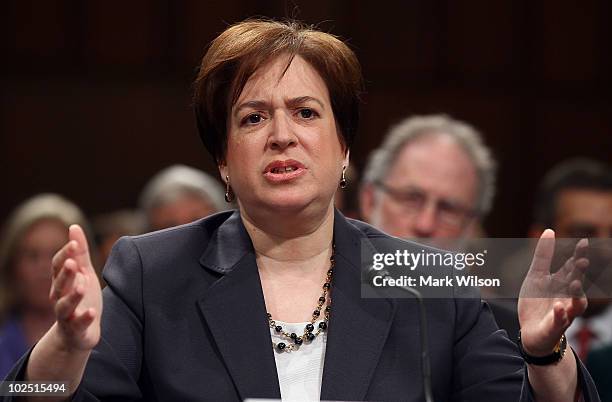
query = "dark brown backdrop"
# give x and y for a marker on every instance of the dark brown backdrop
(95, 94)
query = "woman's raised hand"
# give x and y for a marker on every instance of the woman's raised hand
(76, 294)
(550, 301)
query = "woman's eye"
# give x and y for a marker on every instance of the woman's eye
(253, 118)
(307, 113)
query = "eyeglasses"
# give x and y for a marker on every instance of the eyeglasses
(413, 200)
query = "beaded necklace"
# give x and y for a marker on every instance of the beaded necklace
(294, 340)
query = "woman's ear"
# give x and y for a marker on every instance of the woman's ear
(347, 154)
(223, 170)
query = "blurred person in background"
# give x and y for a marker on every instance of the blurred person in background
(180, 194)
(109, 227)
(575, 200)
(433, 178)
(33, 233)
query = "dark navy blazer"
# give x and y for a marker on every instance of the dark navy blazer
(184, 319)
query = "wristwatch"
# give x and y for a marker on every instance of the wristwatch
(554, 357)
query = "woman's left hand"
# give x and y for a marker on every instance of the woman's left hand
(549, 302)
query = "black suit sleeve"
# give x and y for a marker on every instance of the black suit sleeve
(487, 366)
(115, 365)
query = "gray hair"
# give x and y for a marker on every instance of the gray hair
(412, 128)
(177, 180)
(38, 208)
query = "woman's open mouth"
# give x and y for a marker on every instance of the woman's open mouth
(282, 171)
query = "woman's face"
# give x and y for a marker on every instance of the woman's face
(284, 152)
(32, 270)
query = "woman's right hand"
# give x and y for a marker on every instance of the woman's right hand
(76, 295)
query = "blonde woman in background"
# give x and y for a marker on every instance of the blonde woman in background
(33, 233)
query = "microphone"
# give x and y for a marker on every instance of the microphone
(425, 363)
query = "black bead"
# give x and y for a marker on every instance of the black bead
(298, 341)
(323, 325)
(326, 285)
(309, 327)
(278, 328)
(310, 337)
(269, 315)
(328, 309)
(321, 300)
(293, 335)
(316, 313)
(280, 346)
(330, 271)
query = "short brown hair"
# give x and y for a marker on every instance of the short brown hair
(244, 47)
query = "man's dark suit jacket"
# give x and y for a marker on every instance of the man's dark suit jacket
(184, 319)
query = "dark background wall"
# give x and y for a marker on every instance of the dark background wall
(95, 95)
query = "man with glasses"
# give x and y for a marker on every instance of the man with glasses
(432, 178)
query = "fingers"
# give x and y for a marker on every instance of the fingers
(560, 317)
(74, 290)
(580, 253)
(579, 306)
(81, 322)
(66, 306)
(81, 250)
(66, 311)
(64, 281)
(564, 288)
(581, 263)
(579, 268)
(564, 312)
(581, 248)
(60, 257)
(76, 325)
(544, 251)
(574, 270)
(76, 249)
(579, 302)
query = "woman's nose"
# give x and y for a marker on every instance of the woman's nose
(282, 133)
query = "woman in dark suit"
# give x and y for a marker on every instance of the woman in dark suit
(239, 305)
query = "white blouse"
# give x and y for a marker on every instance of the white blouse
(300, 371)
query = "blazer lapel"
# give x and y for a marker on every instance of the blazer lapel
(358, 328)
(235, 312)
